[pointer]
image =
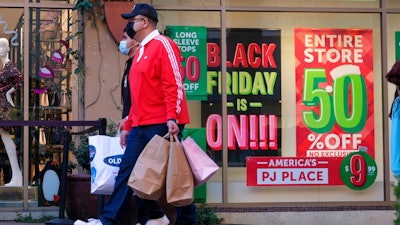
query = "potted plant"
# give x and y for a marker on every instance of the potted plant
(207, 216)
(80, 204)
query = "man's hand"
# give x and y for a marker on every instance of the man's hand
(8, 96)
(172, 127)
(121, 123)
(122, 138)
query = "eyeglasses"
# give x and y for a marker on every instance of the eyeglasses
(136, 20)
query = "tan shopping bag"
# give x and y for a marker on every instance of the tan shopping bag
(149, 173)
(179, 183)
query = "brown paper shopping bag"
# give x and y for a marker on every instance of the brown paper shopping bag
(179, 183)
(149, 173)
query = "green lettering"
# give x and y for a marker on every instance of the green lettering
(245, 83)
(258, 85)
(228, 84)
(219, 83)
(235, 83)
(242, 83)
(270, 80)
(211, 82)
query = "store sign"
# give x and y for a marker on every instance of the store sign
(253, 88)
(397, 44)
(292, 171)
(192, 41)
(334, 92)
(358, 170)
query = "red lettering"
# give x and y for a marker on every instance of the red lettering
(273, 132)
(254, 49)
(240, 56)
(253, 132)
(255, 56)
(239, 131)
(310, 177)
(320, 175)
(213, 58)
(268, 57)
(302, 177)
(265, 176)
(214, 127)
(263, 132)
(246, 132)
(193, 69)
(285, 175)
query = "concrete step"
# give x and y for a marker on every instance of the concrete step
(16, 193)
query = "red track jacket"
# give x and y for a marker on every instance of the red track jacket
(156, 84)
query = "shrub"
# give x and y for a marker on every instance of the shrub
(207, 216)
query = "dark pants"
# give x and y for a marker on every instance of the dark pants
(115, 207)
(186, 215)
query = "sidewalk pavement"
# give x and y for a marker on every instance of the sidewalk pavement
(50, 222)
(18, 223)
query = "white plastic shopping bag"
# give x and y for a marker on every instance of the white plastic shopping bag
(105, 157)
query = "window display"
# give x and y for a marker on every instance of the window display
(288, 102)
(10, 80)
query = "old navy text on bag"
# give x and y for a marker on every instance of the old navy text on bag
(105, 156)
(113, 160)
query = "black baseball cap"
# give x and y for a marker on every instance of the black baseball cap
(142, 9)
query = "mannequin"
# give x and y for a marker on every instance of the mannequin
(10, 80)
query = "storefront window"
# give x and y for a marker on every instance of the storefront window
(12, 72)
(291, 28)
(306, 3)
(393, 3)
(52, 1)
(302, 91)
(187, 2)
(48, 81)
(49, 89)
(197, 27)
(263, 107)
(393, 38)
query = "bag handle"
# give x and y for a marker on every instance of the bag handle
(171, 138)
(118, 134)
(174, 138)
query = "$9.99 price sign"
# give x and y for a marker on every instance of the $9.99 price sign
(358, 170)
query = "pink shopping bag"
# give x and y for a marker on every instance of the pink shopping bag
(203, 167)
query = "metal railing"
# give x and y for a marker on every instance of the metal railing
(100, 125)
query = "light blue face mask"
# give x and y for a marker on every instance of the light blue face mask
(122, 47)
